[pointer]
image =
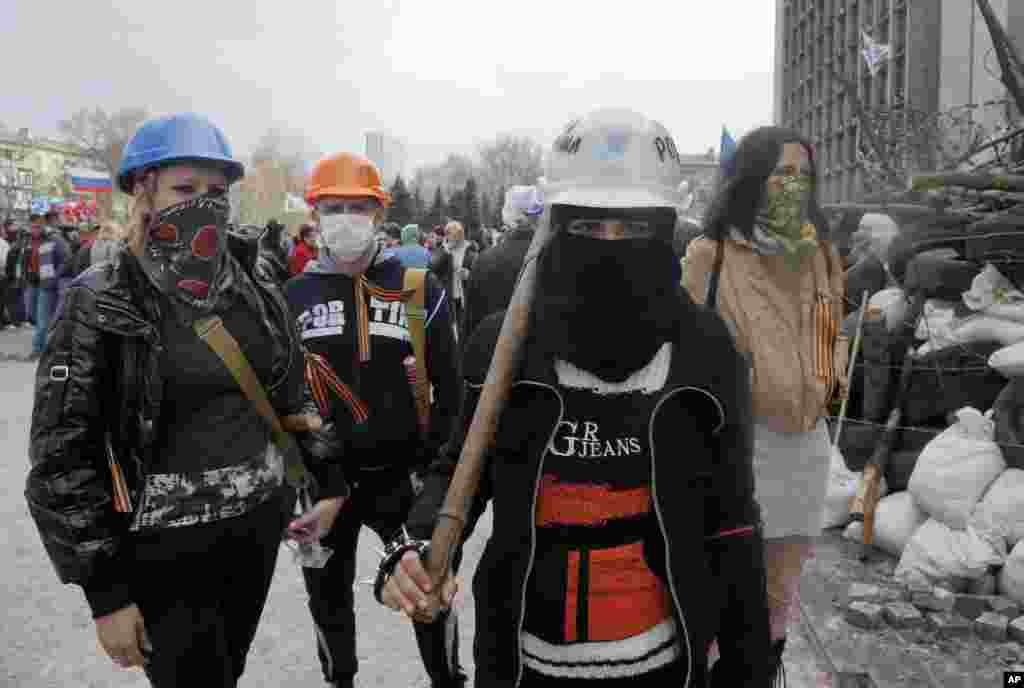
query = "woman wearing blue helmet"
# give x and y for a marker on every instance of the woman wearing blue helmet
(154, 483)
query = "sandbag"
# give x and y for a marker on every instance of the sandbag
(1009, 360)
(893, 304)
(875, 233)
(936, 554)
(1008, 413)
(1010, 580)
(990, 288)
(956, 468)
(842, 486)
(987, 328)
(897, 518)
(1003, 503)
(936, 325)
(939, 275)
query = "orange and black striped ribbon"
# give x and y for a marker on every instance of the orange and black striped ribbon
(364, 287)
(323, 381)
(122, 501)
(826, 332)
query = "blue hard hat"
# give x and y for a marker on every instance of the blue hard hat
(176, 138)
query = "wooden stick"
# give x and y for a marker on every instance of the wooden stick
(851, 366)
(508, 354)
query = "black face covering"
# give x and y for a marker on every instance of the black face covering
(185, 248)
(606, 306)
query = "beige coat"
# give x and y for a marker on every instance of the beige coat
(786, 323)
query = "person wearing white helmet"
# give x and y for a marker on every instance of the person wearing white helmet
(626, 534)
(495, 272)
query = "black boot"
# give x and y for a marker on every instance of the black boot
(778, 668)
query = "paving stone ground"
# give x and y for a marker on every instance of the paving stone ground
(47, 633)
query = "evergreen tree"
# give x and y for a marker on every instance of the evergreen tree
(401, 210)
(435, 215)
(471, 204)
(486, 211)
(419, 209)
(499, 203)
(456, 208)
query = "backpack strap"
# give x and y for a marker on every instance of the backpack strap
(711, 298)
(414, 294)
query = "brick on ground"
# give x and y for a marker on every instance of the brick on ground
(991, 626)
(949, 626)
(934, 599)
(865, 615)
(894, 593)
(903, 615)
(986, 585)
(1004, 606)
(971, 606)
(1016, 630)
(863, 592)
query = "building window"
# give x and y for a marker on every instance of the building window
(25, 178)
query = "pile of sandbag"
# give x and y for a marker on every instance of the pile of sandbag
(961, 486)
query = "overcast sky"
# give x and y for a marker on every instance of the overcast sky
(441, 74)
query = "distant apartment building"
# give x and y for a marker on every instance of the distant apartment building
(387, 153)
(940, 58)
(33, 167)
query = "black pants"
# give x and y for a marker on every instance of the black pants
(14, 299)
(380, 501)
(6, 317)
(205, 587)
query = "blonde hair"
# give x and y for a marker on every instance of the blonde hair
(455, 224)
(110, 230)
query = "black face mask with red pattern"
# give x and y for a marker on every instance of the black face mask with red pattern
(185, 249)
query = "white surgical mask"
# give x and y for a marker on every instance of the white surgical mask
(346, 235)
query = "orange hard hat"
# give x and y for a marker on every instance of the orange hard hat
(347, 175)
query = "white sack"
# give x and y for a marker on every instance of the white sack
(936, 554)
(1009, 360)
(1003, 503)
(989, 288)
(854, 531)
(936, 325)
(897, 518)
(986, 328)
(893, 303)
(954, 469)
(1007, 311)
(1010, 581)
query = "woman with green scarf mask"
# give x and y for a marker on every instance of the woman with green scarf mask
(766, 266)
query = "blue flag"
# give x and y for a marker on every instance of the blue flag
(726, 154)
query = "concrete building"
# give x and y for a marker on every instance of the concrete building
(388, 154)
(33, 167)
(940, 59)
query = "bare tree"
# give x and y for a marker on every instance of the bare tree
(510, 160)
(1010, 64)
(288, 151)
(101, 137)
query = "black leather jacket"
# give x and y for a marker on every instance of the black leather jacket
(99, 377)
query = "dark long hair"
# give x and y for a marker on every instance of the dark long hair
(741, 195)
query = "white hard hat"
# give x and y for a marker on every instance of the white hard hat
(614, 158)
(521, 202)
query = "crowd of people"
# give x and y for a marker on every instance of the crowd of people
(40, 261)
(656, 478)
